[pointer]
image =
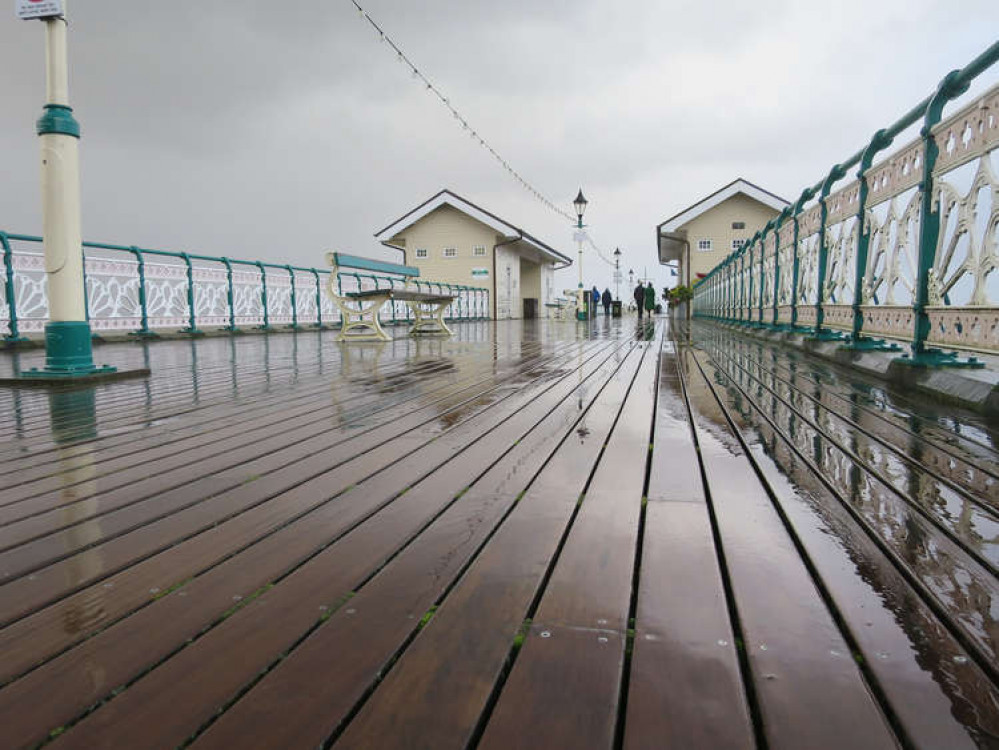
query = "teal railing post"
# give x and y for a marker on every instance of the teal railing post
(740, 267)
(230, 295)
(858, 340)
(950, 87)
(391, 282)
(819, 332)
(192, 328)
(263, 296)
(14, 334)
(319, 299)
(294, 298)
(780, 222)
(806, 195)
(450, 315)
(140, 263)
(734, 282)
(762, 234)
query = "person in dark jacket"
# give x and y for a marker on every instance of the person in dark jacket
(650, 299)
(640, 298)
(606, 300)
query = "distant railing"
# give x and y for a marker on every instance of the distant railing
(909, 250)
(142, 291)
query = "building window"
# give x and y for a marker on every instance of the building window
(738, 225)
(421, 252)
(450, 252)
(736, 244)
(704, 245)
(478, 251)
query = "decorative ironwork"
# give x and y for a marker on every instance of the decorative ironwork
(124, 292)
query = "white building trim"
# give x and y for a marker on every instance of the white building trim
(504, 228)
(733, 188)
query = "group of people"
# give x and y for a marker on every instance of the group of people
(645, 298)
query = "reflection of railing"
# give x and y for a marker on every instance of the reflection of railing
(908, 250)
(125, 291)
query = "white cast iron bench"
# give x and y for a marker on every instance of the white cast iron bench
(359, 310)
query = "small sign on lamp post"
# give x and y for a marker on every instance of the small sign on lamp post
(28, 9)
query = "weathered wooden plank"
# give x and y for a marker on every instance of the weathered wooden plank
(937, 692)
(570, 665)
(685, 687)
(809, 689)
(175, 564)
(457, 659)
(293, 606)
(385, 612)
(227, 495)
(120, 471)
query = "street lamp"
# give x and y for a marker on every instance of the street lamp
(580, 205)
(617, 274)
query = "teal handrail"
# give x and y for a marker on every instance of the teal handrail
(735, 268)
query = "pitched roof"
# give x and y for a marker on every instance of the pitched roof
(491, 220)
(733, 188)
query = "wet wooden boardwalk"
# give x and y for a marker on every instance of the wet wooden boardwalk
(520, 537)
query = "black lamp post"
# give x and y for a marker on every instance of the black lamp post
(617, 274)
(580, 205)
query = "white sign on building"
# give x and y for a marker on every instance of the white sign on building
(27, 9)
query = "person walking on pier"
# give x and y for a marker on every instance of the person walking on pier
(606, 300)
(639, 298)
(650, 299)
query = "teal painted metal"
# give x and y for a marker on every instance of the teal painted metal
(145, 327)
(230, 296)
(294, 299)
(805, 196)
(192, 326)
(366, 264)
(140, 264)
(858, 341)
(10, 291)
(57, 119)
(263, 295)
(929, 225)
(836, 173)
(319, 299)
(930, 110)
(780, 222)
(67, 352)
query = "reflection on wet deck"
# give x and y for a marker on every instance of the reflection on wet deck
(531, 534)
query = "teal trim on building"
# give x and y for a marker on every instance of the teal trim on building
(378, 266)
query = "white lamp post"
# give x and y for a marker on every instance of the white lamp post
(68, 351)
(580, 205)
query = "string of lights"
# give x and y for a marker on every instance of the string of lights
(431, 87)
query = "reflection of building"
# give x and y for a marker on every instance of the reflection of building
(454, 241)
(709, 230)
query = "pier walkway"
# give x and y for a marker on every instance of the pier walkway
(537, 534)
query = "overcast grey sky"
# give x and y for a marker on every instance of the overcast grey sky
(278, 130)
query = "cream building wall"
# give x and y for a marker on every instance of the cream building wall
(444, 228)
(716, 225)
(448, 227)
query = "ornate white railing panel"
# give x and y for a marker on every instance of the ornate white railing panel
(172, 281)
